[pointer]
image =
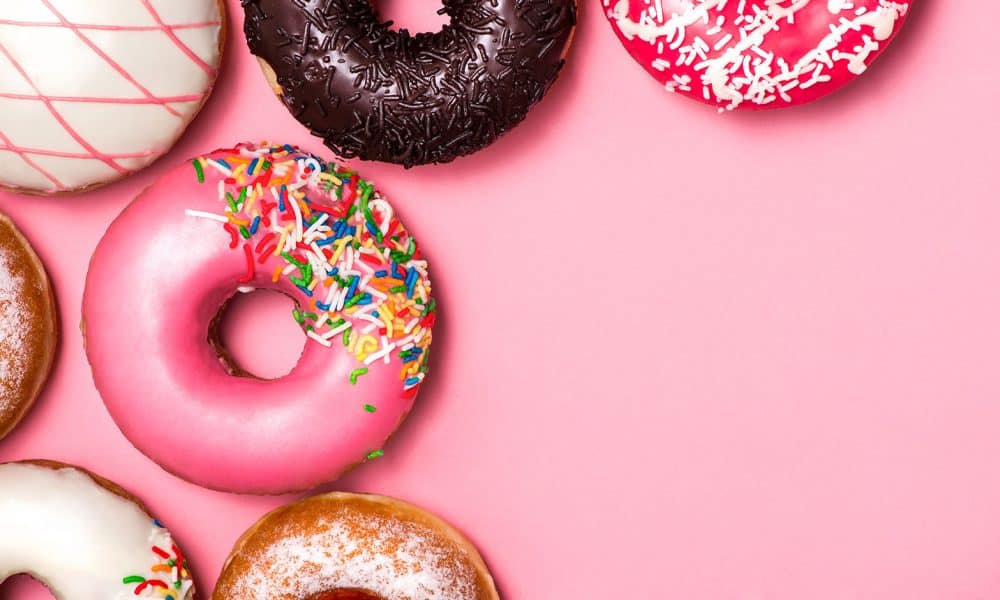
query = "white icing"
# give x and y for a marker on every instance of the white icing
(76, 537)
(737, 69)
(149, 62)
(396, 560)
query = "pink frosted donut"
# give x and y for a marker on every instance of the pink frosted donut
(232, 221)
(755, 53)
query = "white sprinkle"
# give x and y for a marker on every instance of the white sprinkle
(205, 215)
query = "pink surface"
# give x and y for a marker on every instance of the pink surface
(683, 355)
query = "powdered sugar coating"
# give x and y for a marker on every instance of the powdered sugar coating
(395, 560)
(14, 331)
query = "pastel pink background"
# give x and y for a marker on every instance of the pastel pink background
(682, 355)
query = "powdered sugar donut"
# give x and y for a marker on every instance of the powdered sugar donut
(28, 326)
(91, 90)
(755, 53)
(85, 537)
(232, 221)
(353, 547)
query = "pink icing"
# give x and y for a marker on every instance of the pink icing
(156, 282)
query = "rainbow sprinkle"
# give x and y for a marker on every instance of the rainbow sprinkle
(169, 577)
(360, 278)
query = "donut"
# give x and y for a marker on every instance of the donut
(755, 54)
(342, 546)
(378, 93)
(235, 220)
(91, 90)
(85, 537)
(28, 326)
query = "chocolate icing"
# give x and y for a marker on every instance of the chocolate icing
(379, 94)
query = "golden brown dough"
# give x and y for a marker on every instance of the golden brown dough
(342, 546)
(28, 326)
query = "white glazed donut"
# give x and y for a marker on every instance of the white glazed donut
(93, 90)
(85, 537)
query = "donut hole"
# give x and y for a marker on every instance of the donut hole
(24, 587)
(258, 335)
(417, 17)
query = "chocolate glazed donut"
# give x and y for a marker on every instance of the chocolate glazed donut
(379, 94)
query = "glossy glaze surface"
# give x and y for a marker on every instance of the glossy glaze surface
(381, 94)
(231, 431)
(753, 54)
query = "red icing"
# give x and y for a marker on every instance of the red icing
(755, 53)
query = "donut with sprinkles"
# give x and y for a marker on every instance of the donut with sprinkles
(755, 54)
(379, 93)
(86, 537)
(229, 222)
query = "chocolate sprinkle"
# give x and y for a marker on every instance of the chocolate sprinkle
(379, 94)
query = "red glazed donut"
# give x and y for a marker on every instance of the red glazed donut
(754, 54)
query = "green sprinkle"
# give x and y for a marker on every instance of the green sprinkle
(357, 373)
(133, 579)
(197, 169)
(299, 318)
(335, 324)
(267, 165)
(232, 202)
(354, 300)
(429, 308)
(242, 198)
(171, 563)
(347, 337)
(369, 408)
(245, 232)
(397, 289)
(375, 454)
(292, 260)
